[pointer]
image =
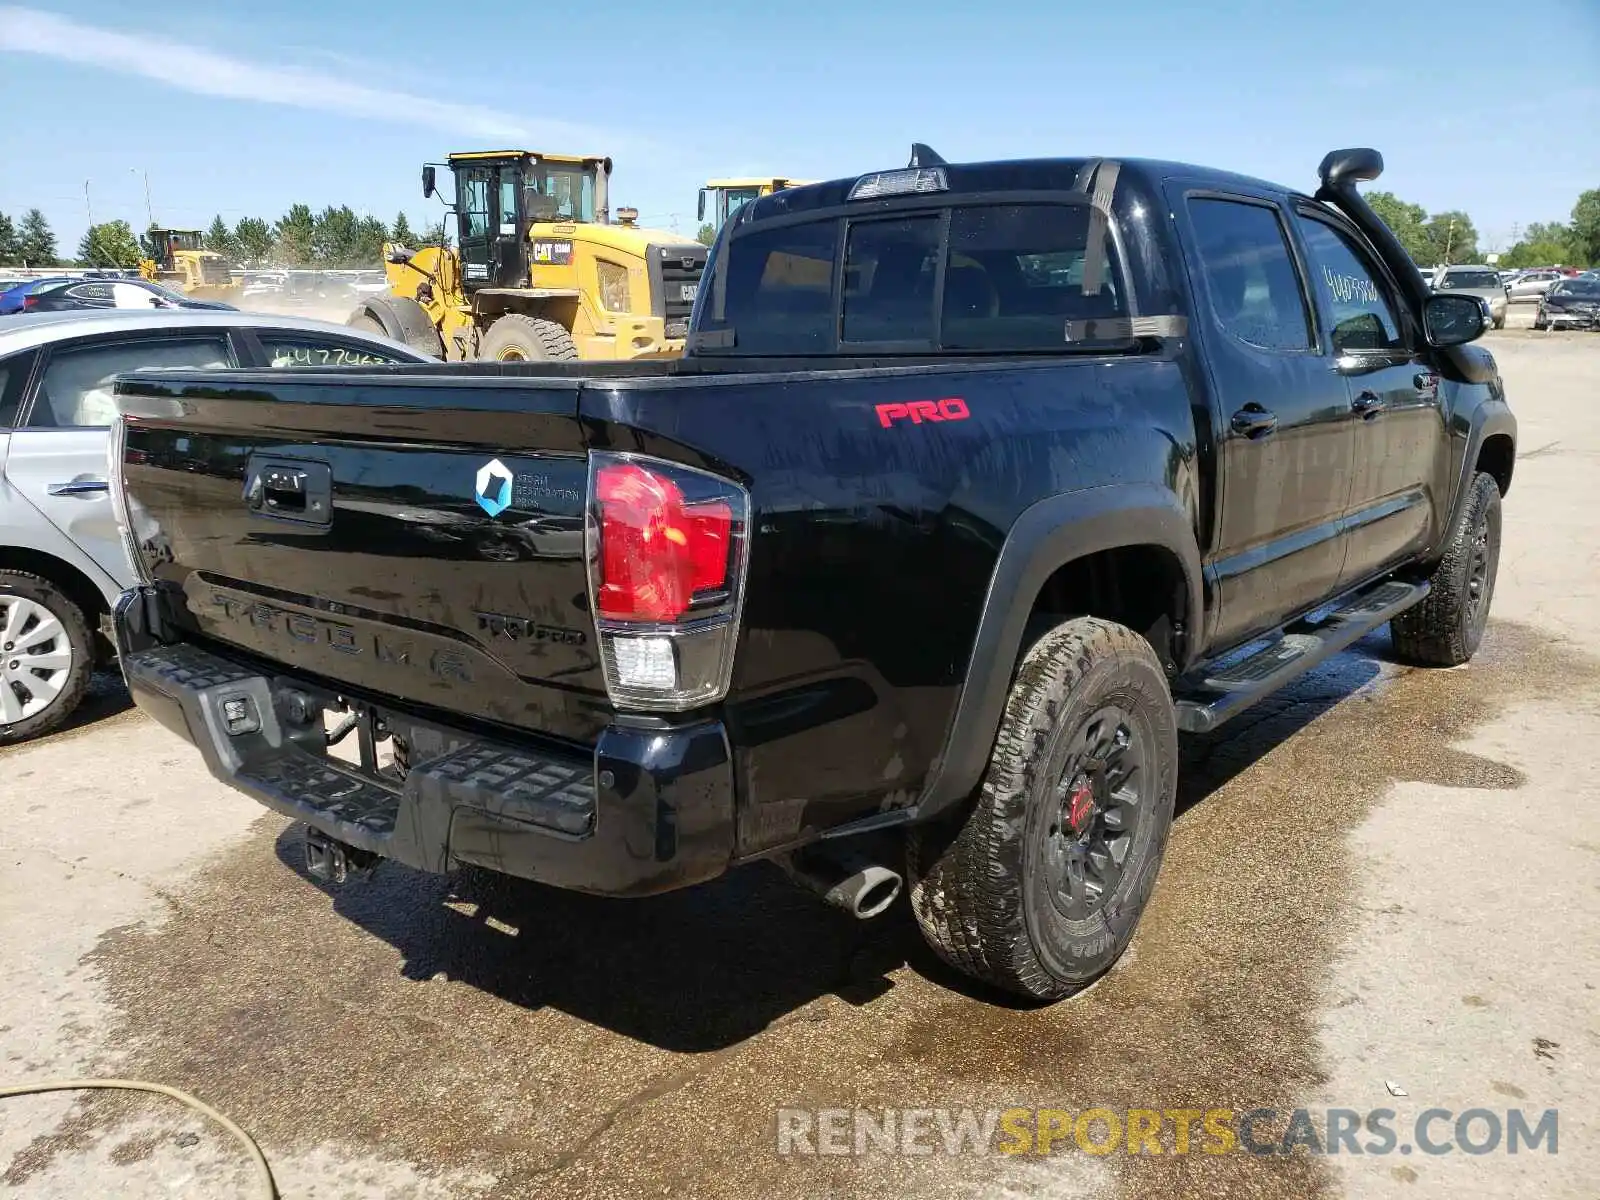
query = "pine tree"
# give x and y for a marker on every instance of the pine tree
(10, 243)
(253, 237)
(292, 237)
(401, 232)
(38, 241)
(220, 238)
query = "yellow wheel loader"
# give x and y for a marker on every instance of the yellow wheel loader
(181, 263)
(724, 197)
(539, 270)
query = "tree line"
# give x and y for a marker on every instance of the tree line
(1449, 237)
(334, 238)
(339, 238)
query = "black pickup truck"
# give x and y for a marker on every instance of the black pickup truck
(979, 484)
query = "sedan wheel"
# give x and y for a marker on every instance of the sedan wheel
(45, 656)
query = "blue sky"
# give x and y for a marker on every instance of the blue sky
(245, 108)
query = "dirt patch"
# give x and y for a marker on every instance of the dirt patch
(576, 1047)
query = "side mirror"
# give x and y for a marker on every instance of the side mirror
(701, 215)
(1453, 320)
(427, 183)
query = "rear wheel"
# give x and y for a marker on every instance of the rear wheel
(518, 338)
(360, 320)
(46, 656)
(1040, 889)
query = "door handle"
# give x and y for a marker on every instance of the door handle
(1368, 405)
(79, 487)
(1253, 421)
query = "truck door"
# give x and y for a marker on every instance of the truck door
(476, 230)
(1282, 415)
(1401, 448)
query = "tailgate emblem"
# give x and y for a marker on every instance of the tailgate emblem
(494, 487)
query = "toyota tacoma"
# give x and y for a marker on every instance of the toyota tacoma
(978, 487)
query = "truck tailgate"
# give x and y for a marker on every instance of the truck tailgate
(422, 543)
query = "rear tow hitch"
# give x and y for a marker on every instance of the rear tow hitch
(334, 861)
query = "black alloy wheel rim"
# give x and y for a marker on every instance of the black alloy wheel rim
(1478, 581)
(1097, 807)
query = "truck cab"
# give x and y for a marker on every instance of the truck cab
(724, 197)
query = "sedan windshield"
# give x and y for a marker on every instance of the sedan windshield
(1583, 289)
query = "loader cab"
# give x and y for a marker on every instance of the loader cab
(165, 243)
(500, 195)
(722, 198)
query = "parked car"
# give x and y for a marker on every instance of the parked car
(1570, 304)
(78, 295)
(1530, 285)
(888, 581)
(1482, 282)
(11, 299)
(62, 561)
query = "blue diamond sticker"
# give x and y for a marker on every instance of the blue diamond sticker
(494, 487)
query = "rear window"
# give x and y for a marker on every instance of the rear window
(1469, 279)
(997, 278)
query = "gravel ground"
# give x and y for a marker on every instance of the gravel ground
(1383, 881)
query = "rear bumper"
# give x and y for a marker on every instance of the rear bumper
(648, 810)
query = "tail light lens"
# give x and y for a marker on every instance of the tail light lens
(29, 303)
(667, 548)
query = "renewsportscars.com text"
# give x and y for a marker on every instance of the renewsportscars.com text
(1215, 1131)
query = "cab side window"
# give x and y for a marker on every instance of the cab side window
(1250, 273)
(1352, 292)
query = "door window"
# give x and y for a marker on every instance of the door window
(289, 351)
(475, 203)
(510, 183)
(1250, 273)
(99, 295)
(13, 372)
(1353, 293)
(77, 388)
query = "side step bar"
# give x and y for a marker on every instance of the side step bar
(1212, 693)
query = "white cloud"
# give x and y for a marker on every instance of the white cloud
(195, 69)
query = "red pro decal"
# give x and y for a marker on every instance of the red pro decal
(917, 411)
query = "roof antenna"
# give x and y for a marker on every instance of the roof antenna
(924, 156)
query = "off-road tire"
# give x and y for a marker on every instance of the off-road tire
(515, 337)
(46, 594)
(360, 319)
(976, 885)
(1446, 629)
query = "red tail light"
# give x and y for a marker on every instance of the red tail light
(29, 303)
(667, 547)
(657, 552)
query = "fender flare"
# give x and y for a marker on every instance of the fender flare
(404, 320)
(1489, 419)
(1049, 534)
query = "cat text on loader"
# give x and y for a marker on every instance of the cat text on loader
(179, 261)
(724, 197)
(539, 270)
